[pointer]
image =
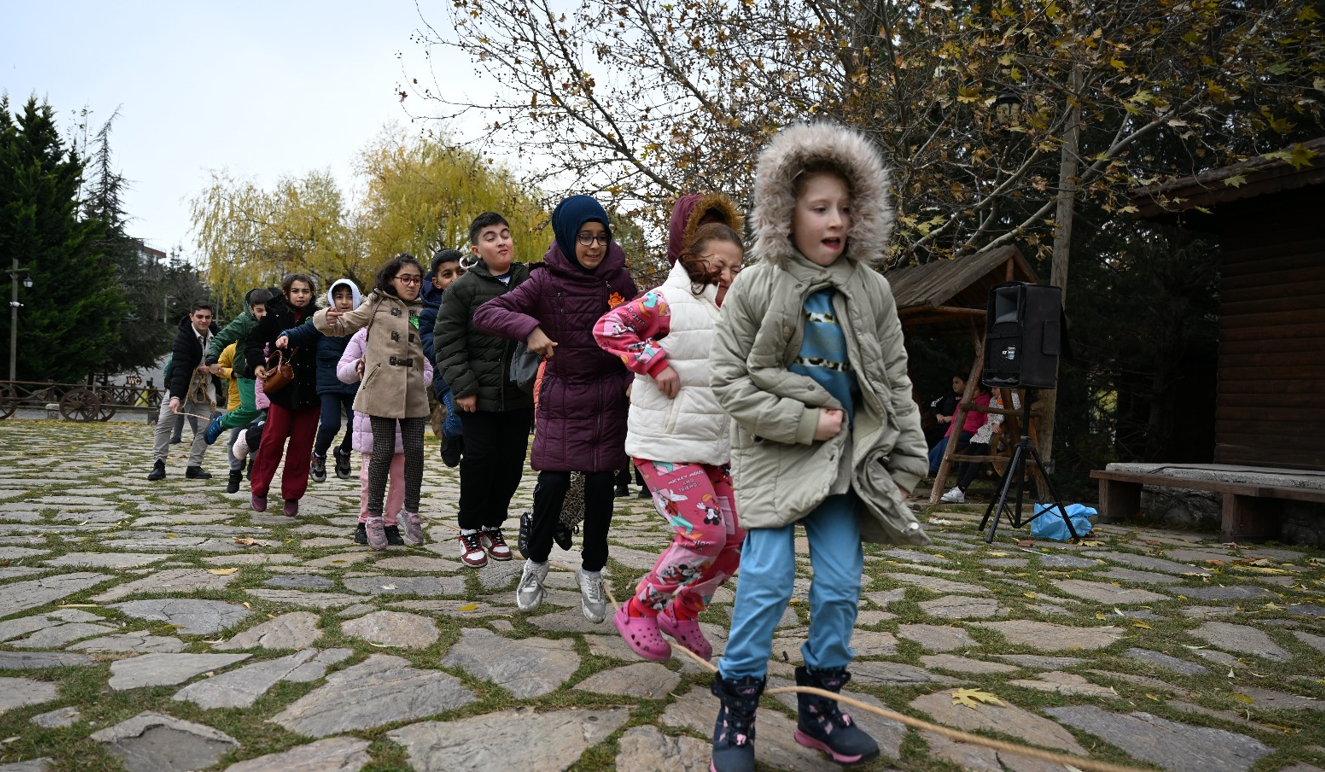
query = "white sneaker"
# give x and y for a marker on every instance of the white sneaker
(240, 449)
(593, 600)
(529, 593)
(954, 496)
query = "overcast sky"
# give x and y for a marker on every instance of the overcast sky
(259, 88)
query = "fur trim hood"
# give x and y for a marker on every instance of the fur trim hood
(787, 155)
(687, 214)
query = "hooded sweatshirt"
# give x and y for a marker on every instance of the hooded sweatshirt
(329, 348)
(581, 417)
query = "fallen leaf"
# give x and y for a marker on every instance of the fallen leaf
(1243, 698)
(1030, 595)
(388, 587)
(998, 554)
(1092, 543)
(171, 536)
(1100, 616)
(1216, 562)
(972, 698)
(223, 571)
(378, 645)
(1025, 543)
(249, 541)
(248, 605)
(468, 607)
(1142, 625)
(8, 740)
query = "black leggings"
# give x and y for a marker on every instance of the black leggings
(384, 447)
(550, 494)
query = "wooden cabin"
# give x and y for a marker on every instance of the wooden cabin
(1267, 216)
(1270, 402)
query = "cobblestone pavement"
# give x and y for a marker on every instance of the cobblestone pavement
(166, 626)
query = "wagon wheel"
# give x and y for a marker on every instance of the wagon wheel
(8, 401)
(81, 404)
(108, 404)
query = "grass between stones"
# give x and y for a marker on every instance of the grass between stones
(48, 460)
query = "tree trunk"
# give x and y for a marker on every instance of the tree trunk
(1067, 189)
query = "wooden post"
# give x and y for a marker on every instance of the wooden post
(1069, 163)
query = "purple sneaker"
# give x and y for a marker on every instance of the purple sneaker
(375, 527)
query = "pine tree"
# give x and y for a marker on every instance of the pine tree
(69, 316)
(141, 337)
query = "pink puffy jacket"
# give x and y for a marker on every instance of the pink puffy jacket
(345, 370)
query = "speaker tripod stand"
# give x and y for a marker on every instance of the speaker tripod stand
(1016, 470)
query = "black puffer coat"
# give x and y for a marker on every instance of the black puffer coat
(473, 362)
(302, 392)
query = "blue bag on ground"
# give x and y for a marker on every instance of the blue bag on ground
(1049, 523)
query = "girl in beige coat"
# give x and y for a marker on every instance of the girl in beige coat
(393, 388)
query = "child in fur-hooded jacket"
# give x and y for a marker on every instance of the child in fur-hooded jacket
(808, 359)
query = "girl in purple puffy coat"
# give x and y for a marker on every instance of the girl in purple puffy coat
(582, 404)
(350, 370)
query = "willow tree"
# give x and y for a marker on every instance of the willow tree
(418, 195)
(977, 104)
(423, 192)
(250, 237)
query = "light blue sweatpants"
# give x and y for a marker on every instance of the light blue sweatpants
(768, 569)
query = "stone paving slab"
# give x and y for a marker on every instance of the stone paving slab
(485, 742)
(154, 742)
(336, 754)
(166, 669)
(529, 667)
(1174, 746)
(189, 616)
(21, 596)
(380, 690)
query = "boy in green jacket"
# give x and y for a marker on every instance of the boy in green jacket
(255, 301)
(808, 360)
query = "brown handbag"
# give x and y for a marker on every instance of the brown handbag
(280, 370)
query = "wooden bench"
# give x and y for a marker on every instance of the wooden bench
(1246, 514)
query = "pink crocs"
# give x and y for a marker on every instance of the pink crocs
(686, 633)
(641, 633)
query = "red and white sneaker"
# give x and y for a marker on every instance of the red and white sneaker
(492, 541)
(472, 553)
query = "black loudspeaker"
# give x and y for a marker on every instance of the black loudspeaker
(1023, 336)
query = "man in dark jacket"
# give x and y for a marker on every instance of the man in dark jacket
(495, 413)
(445, 270)
(188, 390)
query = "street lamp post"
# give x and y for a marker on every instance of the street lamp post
(14, 305)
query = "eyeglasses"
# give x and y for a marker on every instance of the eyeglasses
(410, 279)
(588, 238)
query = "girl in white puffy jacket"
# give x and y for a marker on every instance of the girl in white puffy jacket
(350, 370)
(679, 440)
